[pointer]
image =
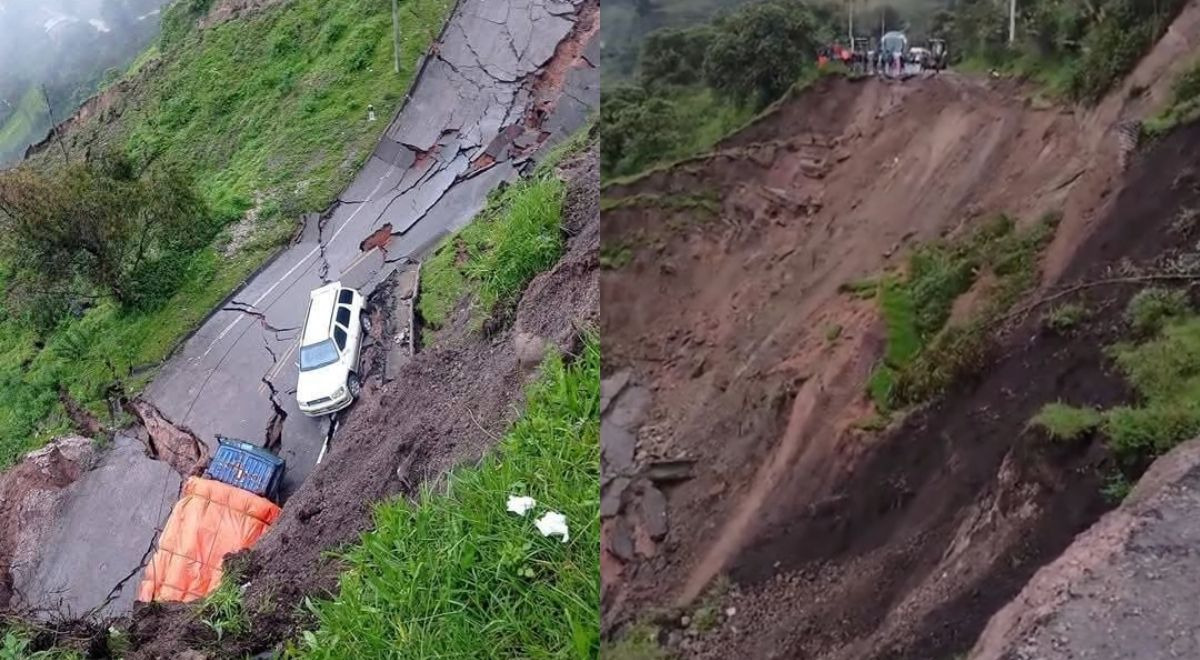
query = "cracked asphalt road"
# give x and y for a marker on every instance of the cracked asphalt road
(492, 94)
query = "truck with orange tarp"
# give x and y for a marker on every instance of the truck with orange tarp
(226, 510)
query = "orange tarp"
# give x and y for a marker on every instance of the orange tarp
(209, 521)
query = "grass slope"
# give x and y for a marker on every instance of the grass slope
(268, 108)
(28, 118)
(458, 576)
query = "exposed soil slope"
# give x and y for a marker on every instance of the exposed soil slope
(446, 406)
(842, 542)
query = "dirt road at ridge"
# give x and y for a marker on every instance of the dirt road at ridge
(506, 81)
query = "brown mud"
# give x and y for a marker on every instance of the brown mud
(842, 542)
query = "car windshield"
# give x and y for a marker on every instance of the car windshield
(315, 356)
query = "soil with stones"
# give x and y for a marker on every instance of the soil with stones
(447, 406)
(840, 542)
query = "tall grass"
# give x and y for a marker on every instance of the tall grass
(457, 576)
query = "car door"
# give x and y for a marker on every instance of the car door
(346, 317)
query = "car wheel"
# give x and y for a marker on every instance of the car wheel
(365, 322)
(354, 386)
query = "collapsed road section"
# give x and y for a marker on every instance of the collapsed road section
(505, 81)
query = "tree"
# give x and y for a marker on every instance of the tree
(675, 56)
(637, 128)
(759, 51)
(99, 228)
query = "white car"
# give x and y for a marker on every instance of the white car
(329, 350)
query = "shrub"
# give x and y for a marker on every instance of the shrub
(1065, 317)
(1150, 308)
(1065, 422)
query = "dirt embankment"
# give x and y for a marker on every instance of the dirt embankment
(446, 406)
(842, 542)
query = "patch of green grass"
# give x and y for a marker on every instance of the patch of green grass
(638, 643)
(1116, 487)
(516, 237)
(922, 355)
(1064, 422)
(222, 610)
(17, 644)
(28, 118)
(457, 575)
(1184, 106)
(1150, 308)
(1164, 371)
(833, 332)
(1066, 317)
(709, 202)
(614, 256)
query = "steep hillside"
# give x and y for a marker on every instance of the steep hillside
(829, 348)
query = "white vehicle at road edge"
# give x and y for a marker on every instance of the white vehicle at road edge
(330, 344)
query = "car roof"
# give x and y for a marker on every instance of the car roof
(320, 313)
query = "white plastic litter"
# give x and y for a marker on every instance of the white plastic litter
(520, 504)
(554, 524)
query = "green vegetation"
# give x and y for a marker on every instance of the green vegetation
(249, 115)
(709, 202)
(17, 644)
(516, 237)
(222, 610)
(1150, 308)
(98, 227)
(922, 355)
(1077, 50)
(615, 255)
(642, 128)
(833, 332)
(1162, 365)
(1064, 318)
(456, 575)
(26, 120)
(1183, 107)
(1116, 487)
(1065, 422)
(638, 643)
(698, 84)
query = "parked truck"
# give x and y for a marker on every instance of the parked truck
(222, 512)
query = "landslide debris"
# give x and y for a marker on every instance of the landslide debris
(841, 532)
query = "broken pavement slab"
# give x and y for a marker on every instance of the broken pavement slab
(102, 535)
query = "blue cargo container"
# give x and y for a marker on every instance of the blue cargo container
(243, 465)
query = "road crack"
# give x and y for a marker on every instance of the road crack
(251, 310)
(273, 437)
